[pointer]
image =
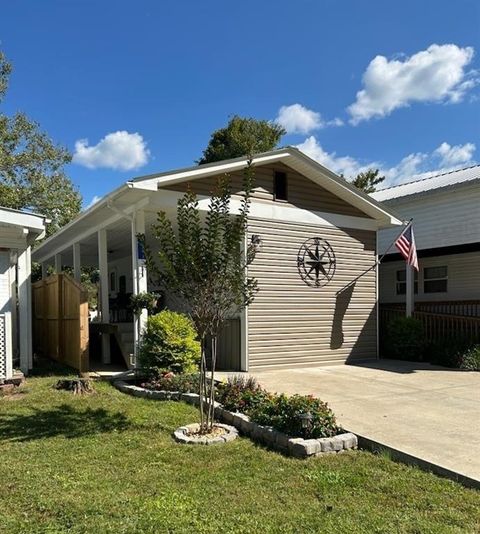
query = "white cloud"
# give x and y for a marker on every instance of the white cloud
(437, 74)
(335, 122)
(345, 165)
(94, 200)
(443, 159)
(298, 119)
(120, 150)
(453, 155)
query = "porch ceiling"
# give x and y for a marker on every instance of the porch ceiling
(119, 242)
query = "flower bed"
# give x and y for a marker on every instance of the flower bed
(300, 447)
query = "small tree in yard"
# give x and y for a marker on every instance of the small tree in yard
(203, 265)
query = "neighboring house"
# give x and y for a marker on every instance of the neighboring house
(316, 232)
(446, 221)
(18, 231)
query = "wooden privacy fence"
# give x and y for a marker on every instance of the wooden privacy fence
(60, 321)
(436, 326)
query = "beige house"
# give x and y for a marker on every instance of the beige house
(317, 298)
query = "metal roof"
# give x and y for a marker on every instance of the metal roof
(423, 185)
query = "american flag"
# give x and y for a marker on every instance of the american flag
(406, 246)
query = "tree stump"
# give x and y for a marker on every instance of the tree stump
(78, 386)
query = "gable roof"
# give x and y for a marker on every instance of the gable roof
(439, 181)
(136, 193)
(290, 156)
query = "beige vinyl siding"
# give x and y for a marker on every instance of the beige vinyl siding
(293, 324)
(302, 192)
(463, 278)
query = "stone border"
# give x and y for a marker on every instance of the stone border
(182, 435)
(297, 447)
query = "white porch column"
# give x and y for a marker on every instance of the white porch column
(58, 263)
(104, 303)
(25, 310)
(77, 272)
(410, 290)
(139, 271)
(44, 270)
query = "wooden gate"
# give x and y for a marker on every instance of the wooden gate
(60, 321)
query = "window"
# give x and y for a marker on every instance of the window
(435, 279)
(401, 282)
(280, 186)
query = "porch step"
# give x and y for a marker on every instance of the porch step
(125, 339)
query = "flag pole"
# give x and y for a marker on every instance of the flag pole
(404, 229)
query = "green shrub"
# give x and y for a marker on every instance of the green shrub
(240, 394)
(169, 343)
(245, 395)
(405, 339)
(470, 359)
(284, 414)
(447, 352)
(188, 383)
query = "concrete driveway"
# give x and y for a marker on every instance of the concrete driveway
(429, 412)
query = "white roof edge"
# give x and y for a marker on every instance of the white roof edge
(386, 213)
(206, 170)
(83, 214)
(33, 221)
(436, 182)
(383, 215)
(169, 178)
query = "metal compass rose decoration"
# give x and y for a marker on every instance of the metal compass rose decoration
(316, 262)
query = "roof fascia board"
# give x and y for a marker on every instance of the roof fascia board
(17, 218)
(84, 214)
(42, 253)
(202, 171)
(342, 188)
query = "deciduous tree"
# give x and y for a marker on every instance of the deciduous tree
(242, 136)
(202, 262)
(32, 166)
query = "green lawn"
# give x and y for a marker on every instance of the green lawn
(107, 463)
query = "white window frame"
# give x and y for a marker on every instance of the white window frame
(435, 279)
(404, 282)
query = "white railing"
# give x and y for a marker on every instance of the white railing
(3, 347)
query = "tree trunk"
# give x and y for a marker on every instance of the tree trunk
(78, 386)
(211, 407)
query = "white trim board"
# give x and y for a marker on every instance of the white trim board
(275, 212)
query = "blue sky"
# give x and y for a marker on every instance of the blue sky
(137, 87)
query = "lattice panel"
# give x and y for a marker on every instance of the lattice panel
(3, 347)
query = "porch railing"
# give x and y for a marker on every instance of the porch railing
(436, 326)
(467, 308)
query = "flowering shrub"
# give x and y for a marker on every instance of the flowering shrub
(240, 394)
(279, 411)
(284, 414)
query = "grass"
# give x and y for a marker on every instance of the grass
(107, 463)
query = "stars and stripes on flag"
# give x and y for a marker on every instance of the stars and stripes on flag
(405, 244)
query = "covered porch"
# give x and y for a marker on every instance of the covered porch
(105, 237)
